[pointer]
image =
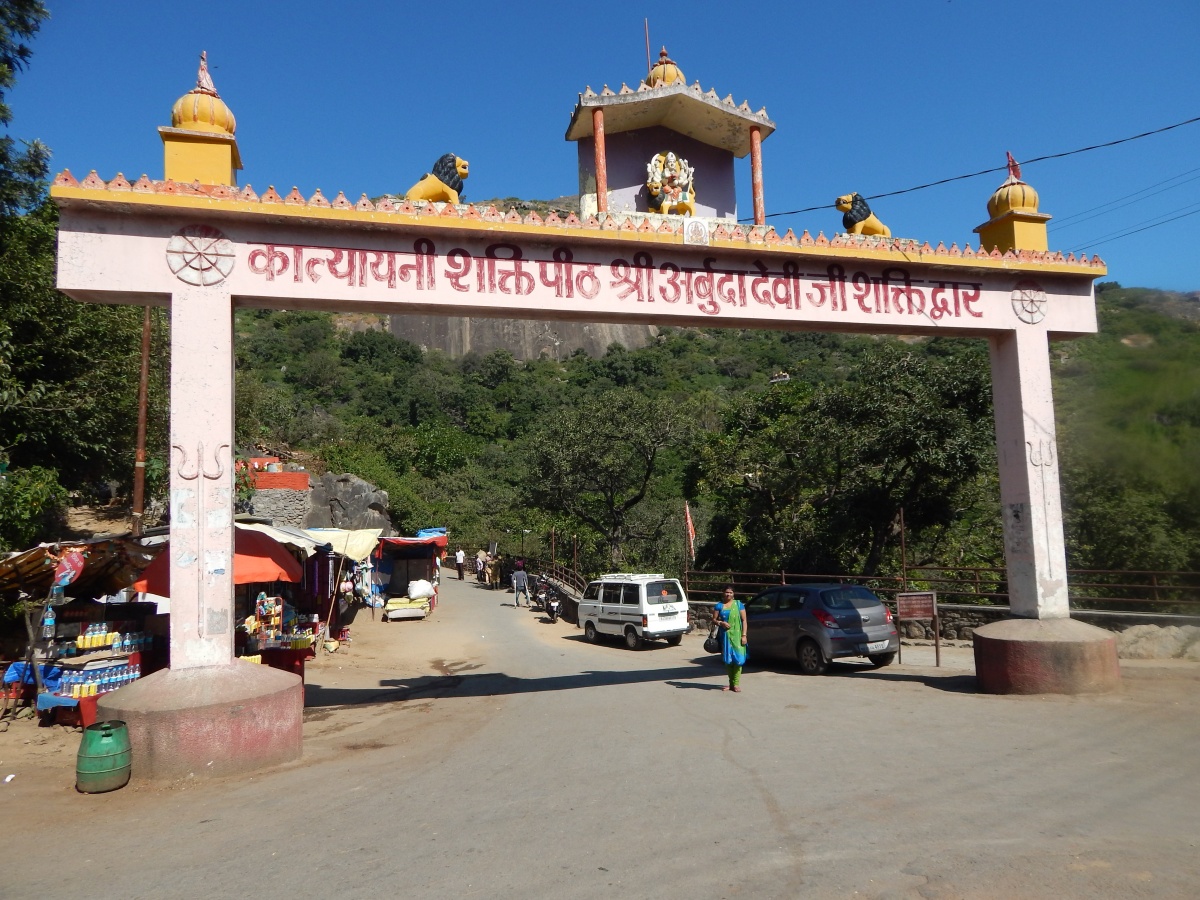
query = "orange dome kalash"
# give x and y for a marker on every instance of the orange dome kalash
(201, 108)
(1014, 195)
(665, 72)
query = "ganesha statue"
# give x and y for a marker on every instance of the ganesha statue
(669, 179)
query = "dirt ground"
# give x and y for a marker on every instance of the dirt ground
(351, 694)
(349, 698)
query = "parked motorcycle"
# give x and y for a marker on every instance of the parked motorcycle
(553, 605)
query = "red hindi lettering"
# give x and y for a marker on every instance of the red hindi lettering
(458, 268)
(272, 261)
(908, 299)
(355, 262)
(507, 273)
(421, 270)
(862, 290)
(970, 297)
(730, 287)
(700, 286)
(833, 289)
(634, 277)
(562, 269)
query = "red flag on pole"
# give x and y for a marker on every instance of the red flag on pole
(691, 529)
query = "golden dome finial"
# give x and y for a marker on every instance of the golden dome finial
(1014, 195)
(665, 72)
(201, 108)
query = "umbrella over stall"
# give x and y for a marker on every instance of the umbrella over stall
(257, 559)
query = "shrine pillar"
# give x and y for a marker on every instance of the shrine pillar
(1041, 649)
(209, 713)
(201, 478)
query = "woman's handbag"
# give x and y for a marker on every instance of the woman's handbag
(712, 643)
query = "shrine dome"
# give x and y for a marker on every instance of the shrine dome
(1014, 195)
(201, 108)
(665, 71)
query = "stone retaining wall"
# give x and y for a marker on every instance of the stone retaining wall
(1137, 638)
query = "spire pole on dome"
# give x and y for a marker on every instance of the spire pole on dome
(1014, 167)
(204, 82)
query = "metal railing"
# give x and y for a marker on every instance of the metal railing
(561, 573)
(1089, 590)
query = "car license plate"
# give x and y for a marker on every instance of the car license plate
(876, 646)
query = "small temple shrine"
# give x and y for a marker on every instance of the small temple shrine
(621, 134)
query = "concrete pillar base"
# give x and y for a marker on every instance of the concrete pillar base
(212, 720)
(1045, 656)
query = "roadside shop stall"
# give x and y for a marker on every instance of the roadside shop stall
(405, 561)
(77, 644)
(271, 632)
(349, 576)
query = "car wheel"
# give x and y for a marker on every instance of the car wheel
(879, 660)
(632, 639)
(589, 632)
(812, 660)
(675, 640)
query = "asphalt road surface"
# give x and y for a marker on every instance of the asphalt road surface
(487, 753)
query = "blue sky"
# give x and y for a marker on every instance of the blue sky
(869, 96)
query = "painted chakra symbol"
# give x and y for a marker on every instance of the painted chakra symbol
(200, 255)
(1029, 302)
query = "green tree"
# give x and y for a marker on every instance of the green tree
(22, 171)
(597, 461)
(813, 479)
(69, 374)
(31, 503)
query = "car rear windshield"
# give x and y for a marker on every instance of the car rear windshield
(659, 592)
(849, 597)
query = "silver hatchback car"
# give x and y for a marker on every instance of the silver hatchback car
(816, 623)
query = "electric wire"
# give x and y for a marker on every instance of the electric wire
(1036, 159)
(1113, 205)
(1165, 219)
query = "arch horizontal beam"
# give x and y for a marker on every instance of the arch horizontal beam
(350, 260)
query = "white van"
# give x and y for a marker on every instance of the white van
(636, 607)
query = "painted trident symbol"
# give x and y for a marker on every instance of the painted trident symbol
(199, 467)
(1041, 455)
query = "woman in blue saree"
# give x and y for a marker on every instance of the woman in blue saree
(729, 616)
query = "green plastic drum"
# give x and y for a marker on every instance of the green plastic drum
(103, 761)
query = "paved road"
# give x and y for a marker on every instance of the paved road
(487, 753)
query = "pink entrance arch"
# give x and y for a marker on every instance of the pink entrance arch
(204, 251)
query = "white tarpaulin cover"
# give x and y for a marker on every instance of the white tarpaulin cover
(356, 545)
(285, 534)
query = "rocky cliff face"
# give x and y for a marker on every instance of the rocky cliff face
(524, 339)
(346, 501)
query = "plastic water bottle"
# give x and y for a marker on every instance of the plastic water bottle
(48, 624)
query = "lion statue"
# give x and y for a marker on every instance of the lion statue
(858, 218)
(444, 183)
(669, 179)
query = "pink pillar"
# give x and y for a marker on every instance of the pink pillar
(1028, 459)
(756, 176)
(201, 477)
(1042, 649)
(601, 160)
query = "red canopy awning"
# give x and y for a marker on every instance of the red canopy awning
(257, 559)
(434, 540)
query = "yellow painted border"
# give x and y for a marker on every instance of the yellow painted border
(145, 201)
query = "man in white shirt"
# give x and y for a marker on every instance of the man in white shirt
(459, 559)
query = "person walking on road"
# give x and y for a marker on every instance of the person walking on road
(493, 572)
(520, 582)
(729, 615)
(460, 560)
